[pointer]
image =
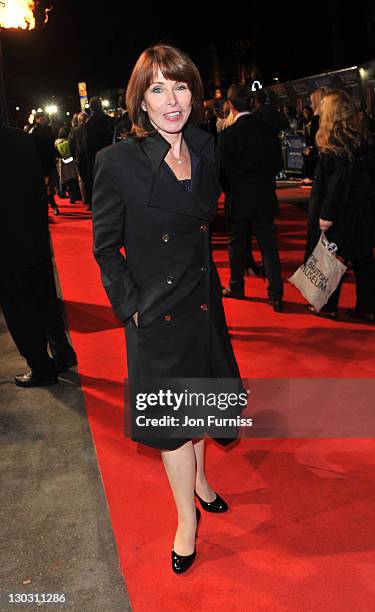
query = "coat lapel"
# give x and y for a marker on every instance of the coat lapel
(166, 191)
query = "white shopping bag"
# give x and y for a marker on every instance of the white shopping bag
(320, 275)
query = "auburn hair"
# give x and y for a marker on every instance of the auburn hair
(175, 65)
(339, 129)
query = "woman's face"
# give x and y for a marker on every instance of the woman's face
(167, 103)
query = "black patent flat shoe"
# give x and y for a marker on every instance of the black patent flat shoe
(181, 563)
(218, 505)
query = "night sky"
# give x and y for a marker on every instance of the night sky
(100, 44)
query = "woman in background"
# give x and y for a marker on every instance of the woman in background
(67, 168)
(310, 152)
(342, 202)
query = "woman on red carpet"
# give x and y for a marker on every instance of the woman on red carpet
(156, 195)
(342, 202)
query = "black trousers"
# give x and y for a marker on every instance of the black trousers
(364, 272)
(82, 164)
(264, 230)
(89, 181)
(249, 258)
(73, 189)
(31, 311)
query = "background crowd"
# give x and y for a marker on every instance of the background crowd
(67, 152)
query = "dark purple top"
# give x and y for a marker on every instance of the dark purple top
(188, 183)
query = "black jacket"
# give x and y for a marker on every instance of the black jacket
(249, 157)
(270, 115)
(24, 237)
(168, 275)
(98, 133)
(122, 122)
(344, 192)
(77, 142)
(45, 146)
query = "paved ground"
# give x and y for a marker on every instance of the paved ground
(54, 525)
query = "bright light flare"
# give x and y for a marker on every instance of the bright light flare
(17, 14)
(51, 109)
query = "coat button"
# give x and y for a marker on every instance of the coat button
(168, 317)
(165, 237)
(204, 307)
(204, 269)
(170, 279)
(203, 228)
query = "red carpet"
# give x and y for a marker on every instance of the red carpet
(300, 533)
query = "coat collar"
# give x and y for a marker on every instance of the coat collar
(166, 192)
(156, 147)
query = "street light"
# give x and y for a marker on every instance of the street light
(105, 103)
(52, 109)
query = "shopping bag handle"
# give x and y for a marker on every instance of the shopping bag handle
(330, 246)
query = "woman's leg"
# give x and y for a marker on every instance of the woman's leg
(201, 485)
(180, 466)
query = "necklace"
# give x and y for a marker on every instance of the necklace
(178, 160)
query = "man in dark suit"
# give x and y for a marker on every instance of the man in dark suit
(27, 286)
(122, 122)
(98, 134)
(268, 114)
(249, 156)
(42, 134)
(78, 148)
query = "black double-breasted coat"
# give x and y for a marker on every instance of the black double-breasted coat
(167, 274)
(344, 193)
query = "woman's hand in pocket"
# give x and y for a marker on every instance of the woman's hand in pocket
(135, 318)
